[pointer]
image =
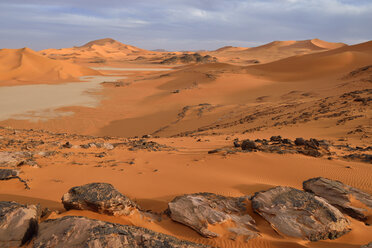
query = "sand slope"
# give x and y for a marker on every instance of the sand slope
(27, 65)
(273, 51)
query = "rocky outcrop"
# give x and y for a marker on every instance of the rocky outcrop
(300, 214)
(8, 174)
(18, 223)
(77, 232)
(98, 197)
(277, 144)
(189, 58)
(352, 201)
(200, 210)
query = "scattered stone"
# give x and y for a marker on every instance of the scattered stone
(142, 144)
(76, 232)
(276, 138)
(18, 223)
(311, 152)
(215, 151)
(367, 158)
(248, 145)
(342, 196)
(287, 141)
(236, 144)
(300, 214)
(367, 245)
(100, 198)
(67, 145)
(200, 210)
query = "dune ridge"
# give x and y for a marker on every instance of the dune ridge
(273, 51)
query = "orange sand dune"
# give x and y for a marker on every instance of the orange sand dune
(273, 51)
(27, 65)
(341, 60)
(96, 51)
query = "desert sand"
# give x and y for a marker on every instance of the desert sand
(169, 129)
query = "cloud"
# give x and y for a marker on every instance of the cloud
(182, 24)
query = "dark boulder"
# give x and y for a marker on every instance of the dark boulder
(248, 145)
(98, 197)
(299, 142)
(276, 138)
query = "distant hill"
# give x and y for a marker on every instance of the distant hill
(95, 51)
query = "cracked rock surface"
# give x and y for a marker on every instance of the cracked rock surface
(300, 214)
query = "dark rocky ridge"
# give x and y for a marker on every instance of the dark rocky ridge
(189, 58)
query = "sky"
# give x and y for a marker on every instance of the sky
(181, 24)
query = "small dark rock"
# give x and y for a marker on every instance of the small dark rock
(236, 144)
(248, 145)
(67, 145)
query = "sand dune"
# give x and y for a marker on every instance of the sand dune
(273, 51)
(27, 65)
(97, 51)
(331, 62)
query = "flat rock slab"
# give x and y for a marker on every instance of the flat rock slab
(81, 232)
(201, 210)
(351, 201)
(18, 223)
(300, 214)
(100, 198)
(13, 159)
